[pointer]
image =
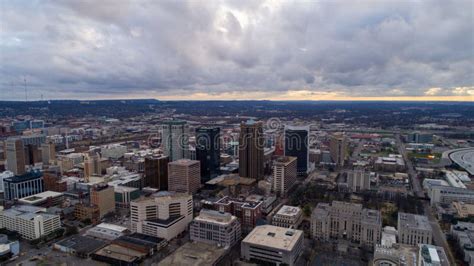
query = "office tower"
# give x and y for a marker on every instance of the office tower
(164, 214)
(296, 145)
(418, 137)
(251, 144)
(92, 166)
(156, 172)
(413, 229)
(213, 227)
(35, 139)
(208, 150)
(103, 196)
(338, 148)
(358, 180)
(284, 174)
(48, 153)
(174, 139)
(344, 220)
(274, 245)
(20, 186)
(15, 152)
(32, 154)
(184, 175)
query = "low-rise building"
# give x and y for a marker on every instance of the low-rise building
(288, 217)
(78, 245)
(445, 194)
(83, 212)
(463, 235)
(392, 163)
(106, 231)
(343, 220)
(273, 244)
(248, 211)
(213, 227)
(413, 229)
(46, 199)
(430, 255)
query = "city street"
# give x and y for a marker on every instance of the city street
(439, 237)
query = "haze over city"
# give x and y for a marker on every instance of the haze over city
(237, 50)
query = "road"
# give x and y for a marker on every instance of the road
(439, 237)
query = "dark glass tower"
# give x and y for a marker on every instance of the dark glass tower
(208, 149)
(296, 145)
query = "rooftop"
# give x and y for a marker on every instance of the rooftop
(120, 253)
(215, 217)
(184, 162)
(41, 196)
(194, 253)
(274, 236)
(286, 210)
(81, 244)
(413, 221)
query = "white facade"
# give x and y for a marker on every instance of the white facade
(213, 227)
(163, 215)
(413, 229)
(444, 194)
(288, 217)
(29, 221)
(113, 151)
(358, 180)
(273, 244)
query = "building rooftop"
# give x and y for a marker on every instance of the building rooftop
(286, 210)
(215, 217)
(274, 236)
(413, 221)
(184, 162)
(120, 253)
(432, 255)
(196, 254)
(284, 160)
(40, 197)
(81, 244)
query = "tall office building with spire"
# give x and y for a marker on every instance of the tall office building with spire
(251, 145)
(174, 139)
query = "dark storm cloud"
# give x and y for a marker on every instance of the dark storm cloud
(359, 48)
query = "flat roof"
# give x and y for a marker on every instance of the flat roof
(194, 253)
(120, 253)
(41, 196)
(184, 162)
(413, 221)
(274, 237)
(81, 244)
(112, 227)
(286, 210)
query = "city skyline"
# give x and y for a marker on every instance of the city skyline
(327, 50)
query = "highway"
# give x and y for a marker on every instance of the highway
(439, 237)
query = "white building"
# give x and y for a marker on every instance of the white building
(446, 194)
(30, 222)
(113, 151)
(106, 231)
(163, 215)
(288, 217)
(429, 255)
(213, 227)
(413, 229)
(4, 175)
(273, 244)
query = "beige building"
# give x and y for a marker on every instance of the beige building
(338, 146)
(288, 217)
(29, 221)
(274, 244)
(218, 228)
(15, 155)
(358, 180)
(48, 153)
(164, 214)
(284, 174)
(463, 210)
(184, 175)
(103, 196)
(251, 150)
(413, 229)
(344, 220)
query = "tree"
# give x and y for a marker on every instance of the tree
(71, 230)
(307, 210)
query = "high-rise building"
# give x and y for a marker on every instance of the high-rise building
(164, 214)
(338, 148)
(251, 146)
(174, 139)
(208, 151)
(156, 172)
(284, 174)
(32, 154)
(15, 152)
(92, 166)
(296, 145)
(344, 220)
(358, 180)
(184, 175)
(213, 227)
(413, 229)
(48, 153)
(103, 196)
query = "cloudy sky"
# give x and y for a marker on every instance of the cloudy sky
(281, 50)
